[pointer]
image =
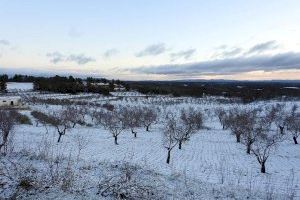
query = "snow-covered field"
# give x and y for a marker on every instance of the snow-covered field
(210, 166)
(14, 86)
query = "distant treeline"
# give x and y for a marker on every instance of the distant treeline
(62, 84)
(3, 80)
(248, 91)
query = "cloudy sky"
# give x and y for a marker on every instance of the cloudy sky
(152, 39)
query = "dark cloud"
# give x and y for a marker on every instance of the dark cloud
(80, 59)
(187, 54)
(110, 52)
(259, 48)
(289, 60)
(152, 50)
(4, 42)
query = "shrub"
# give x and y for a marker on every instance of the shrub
(22, 119)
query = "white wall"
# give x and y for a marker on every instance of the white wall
(8, 102)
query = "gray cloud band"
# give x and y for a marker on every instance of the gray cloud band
(289, 60)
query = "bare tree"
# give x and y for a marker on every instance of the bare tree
(113, 121)
(82, 112)
(169, 136)
(250, 125)
(270, 115)
(235, 121)
(61, 121)
(148, 117)
(7, 123)
(75, 115)
(131, 116)
(280, 116)
(82, 143)
(265, 144)
(222, 116)
(98, 116)
(189, 122)
(293, 122)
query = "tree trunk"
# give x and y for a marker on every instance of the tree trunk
(1, 145)
(59, 137)
(238, 138)
(147, 128)
(169, 156)
(263, 168)
(133, 132)
(180, 143)
(74, 125)
(295, 140)
(223, 126)
(281, 129)
(248, 148)
(116, 140)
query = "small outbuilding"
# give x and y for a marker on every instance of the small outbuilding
(10, 101)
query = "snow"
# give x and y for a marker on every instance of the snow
(15, 86)
(296, 88)
(212, 161)
(209, 154)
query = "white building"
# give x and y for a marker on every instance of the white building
(10, 101)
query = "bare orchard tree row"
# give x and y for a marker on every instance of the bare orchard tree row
(63, 119)
(278, 116)
(178, 127)
(114, 119)
(126, 117)
(286, 120)
(253, 128)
